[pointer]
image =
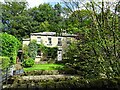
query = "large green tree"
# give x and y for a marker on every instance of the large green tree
(96, 54)
(15, 19)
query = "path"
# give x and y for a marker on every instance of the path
(46, 77)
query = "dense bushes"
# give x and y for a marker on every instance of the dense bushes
(5, 62)
(82, 57)
(9, 46)
(28, 62)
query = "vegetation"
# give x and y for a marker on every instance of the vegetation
(5, 62)
(9, 46)
(28, 62)
(32, 49)
(50, 52)
(96, 53)
(67, 82)
(19, 21)
(44, 67)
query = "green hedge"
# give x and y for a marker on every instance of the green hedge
(5, 61)
(9, 46)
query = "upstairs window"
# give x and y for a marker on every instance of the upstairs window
(49, 41)
(59, 42)
(38, 40)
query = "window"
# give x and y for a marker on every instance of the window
(49, 41)
(59, 42)
(38, 40)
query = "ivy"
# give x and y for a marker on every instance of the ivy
(48, 51)
(32, 49)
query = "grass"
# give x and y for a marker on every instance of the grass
(44, 67)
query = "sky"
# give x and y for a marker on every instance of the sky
(35, 3)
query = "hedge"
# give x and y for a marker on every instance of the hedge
(5, 62)
(9, 46)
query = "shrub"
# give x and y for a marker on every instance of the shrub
(5, 62)
(32, 49)
(25, 51)
(28, 62)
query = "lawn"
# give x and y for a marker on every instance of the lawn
(44, 67)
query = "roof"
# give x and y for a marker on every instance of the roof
(52, 34)
(27, 39)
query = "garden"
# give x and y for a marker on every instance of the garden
(92, 61)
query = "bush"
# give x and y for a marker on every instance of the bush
(28, 62)
(5, 62)
(32, 49)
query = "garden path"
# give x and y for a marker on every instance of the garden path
(46, 77)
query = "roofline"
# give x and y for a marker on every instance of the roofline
(38, 34)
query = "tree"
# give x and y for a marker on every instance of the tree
(78, 20)
(15, 19)
(97, 50)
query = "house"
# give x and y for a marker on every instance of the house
(49, 39)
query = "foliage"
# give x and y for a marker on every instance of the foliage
(19, 21)
(77, 20)
(96, 53)
(28, 62)
(33, 47)
(48, 51)
(67, 82)
(5, 62)
(9, 46)
(25, 51)
(32, 50)
(15, 19)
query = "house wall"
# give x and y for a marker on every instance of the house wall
(44, 40)
(26, 42)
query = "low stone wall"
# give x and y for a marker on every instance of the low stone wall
(47, 82)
